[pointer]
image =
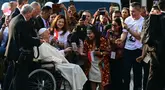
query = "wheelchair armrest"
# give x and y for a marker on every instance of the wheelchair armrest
(45, 62)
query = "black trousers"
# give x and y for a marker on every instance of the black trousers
(22, 71)
(130, 62)
(9, 75)
(146, 67)
(116, 71)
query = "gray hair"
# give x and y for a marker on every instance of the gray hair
(34, 4)
(26, 9)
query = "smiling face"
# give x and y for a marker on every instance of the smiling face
(88, 16)
(115, 26)
(125, 13)
(135, 12)
(60, 23)
(90, 35)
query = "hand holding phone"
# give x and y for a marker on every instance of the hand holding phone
(102, 11)
(74, 46)
(56, 7)
(83, 17)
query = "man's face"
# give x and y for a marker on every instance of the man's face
(36, 11)
(47, 14)
(28, 16)
(46, 36)
(116, 15)
(135, 12)
(103, 18)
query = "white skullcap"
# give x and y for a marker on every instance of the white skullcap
(6, 8)
(50, 4)
(41, 31)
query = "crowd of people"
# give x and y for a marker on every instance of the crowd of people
(106, 45)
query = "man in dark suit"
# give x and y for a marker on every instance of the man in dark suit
(19, 46)
(154, 38)
(34, 25)
(43, 19)
(20, 3)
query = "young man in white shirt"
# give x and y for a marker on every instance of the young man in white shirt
(131, 35)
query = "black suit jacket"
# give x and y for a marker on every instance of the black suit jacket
(154, 36)
(20, 36)
(15, 13)
(34, 26)
(40, 22)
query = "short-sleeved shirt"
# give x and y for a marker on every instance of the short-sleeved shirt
(136, 25)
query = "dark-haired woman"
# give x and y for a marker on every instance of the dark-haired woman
(59, 31)
(125, 13)
(97, 66)
(116, 54)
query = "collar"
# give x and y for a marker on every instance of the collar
(44, 21)
(19, 8)
(24, 17)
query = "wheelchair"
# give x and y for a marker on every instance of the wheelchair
(45, 76)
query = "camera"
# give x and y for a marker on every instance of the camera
(83, 17)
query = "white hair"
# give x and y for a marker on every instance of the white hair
(34, 4)
(26, 9)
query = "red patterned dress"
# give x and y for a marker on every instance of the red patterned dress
(103, 63)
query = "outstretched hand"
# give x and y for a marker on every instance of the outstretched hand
(139, 59)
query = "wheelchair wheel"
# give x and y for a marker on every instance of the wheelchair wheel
(41, 79)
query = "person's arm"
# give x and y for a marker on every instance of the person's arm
(108, 17)
(144, 53)
(133, 33)
(95, 17)
(66, 13)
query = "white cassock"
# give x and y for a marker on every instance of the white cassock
(71, 72)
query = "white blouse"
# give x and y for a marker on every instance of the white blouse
(62, 38)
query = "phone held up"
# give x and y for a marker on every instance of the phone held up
(83, 17)
(102, 11)
(74, 46)
(56, 8)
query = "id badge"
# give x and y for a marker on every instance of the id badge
(113, 55)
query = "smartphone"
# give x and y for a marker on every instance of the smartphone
(71, 2)
(83, 17)
(100, 9)
(102, 12)
(74, 46)
(56, 7)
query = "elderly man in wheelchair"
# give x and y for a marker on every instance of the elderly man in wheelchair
(52, 71)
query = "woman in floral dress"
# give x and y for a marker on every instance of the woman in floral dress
(97, 66)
